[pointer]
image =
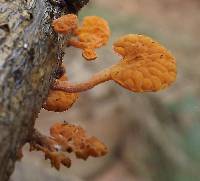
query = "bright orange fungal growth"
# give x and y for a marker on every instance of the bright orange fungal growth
(66, 138)
(74, 139)
(65, 24)
(60, 101)
(146, 66)
(94, 33)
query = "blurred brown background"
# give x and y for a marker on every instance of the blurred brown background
(151, 136)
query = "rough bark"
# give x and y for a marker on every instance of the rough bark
(30, 53)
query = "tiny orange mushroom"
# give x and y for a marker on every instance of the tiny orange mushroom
(65, 24)
(59, 101)
(94, 33)
(66, 138)
(146, 66)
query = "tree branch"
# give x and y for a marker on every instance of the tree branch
(30, 53)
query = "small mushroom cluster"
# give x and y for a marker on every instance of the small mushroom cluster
(66, 138)
(93, 33)
(145, 66)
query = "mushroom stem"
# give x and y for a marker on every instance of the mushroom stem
(96, 79)
(75, 43)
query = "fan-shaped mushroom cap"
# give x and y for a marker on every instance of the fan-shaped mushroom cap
(66, 24)
(146, 65)
(59, 101)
